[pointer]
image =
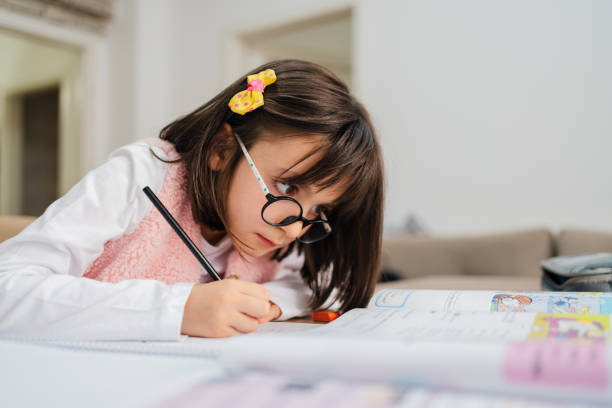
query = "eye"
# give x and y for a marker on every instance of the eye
(319, 211)
(286, 189)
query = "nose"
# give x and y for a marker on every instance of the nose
(293, 230)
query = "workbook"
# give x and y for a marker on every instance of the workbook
(536, 344)
(494, 301)
(36, 376)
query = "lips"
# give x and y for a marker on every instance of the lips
(266, 241)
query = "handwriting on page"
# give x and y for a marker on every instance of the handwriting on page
(392, 299)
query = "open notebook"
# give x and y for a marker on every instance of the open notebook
(538, 343)
(494, 301)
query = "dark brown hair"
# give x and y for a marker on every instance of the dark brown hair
(306, 99)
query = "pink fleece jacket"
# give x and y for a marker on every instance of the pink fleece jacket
(154, 251)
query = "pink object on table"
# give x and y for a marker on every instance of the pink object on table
(557, 362)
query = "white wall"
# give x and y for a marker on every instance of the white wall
(166, 57)
(121, 75)
(492, 115)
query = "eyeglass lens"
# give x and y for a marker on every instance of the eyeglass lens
(285, 212)
(282, 212)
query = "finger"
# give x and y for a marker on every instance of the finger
(274, 313)
(243, 323)
(266, 319)
(253, 289)
(227, 331)
(254, 307)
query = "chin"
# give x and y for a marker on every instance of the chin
(253, 251)
(266, 251)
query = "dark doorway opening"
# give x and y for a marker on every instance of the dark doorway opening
(40, 150)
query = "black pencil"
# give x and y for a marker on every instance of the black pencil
(181, 233)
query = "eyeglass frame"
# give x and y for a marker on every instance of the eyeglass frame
(271, 199)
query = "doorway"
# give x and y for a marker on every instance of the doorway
(39, 156)
(325, 39)
(39, 121)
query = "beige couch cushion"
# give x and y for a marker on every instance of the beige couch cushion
(505, 254)
(11, 225)
(579, 241)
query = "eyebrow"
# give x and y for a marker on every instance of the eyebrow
(287, 174)
(309, 154)
(331, 205)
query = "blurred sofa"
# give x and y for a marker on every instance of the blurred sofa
(11, 225)
(505, 261)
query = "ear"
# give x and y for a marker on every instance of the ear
(222, 144)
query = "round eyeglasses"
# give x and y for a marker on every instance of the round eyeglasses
(280, 211)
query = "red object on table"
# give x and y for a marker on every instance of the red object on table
(324, 316)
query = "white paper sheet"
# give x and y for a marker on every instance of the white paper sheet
(41, 376)
(187, 346)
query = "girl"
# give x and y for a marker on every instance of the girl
(279, 181)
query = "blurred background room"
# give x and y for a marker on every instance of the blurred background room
(493, 116)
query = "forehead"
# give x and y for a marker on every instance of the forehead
(296, 153)
(290, 156)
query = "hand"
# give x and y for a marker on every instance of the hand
(274, 314)
(225, 308)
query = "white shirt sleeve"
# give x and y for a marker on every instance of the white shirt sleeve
(42, 292)
(288, 290)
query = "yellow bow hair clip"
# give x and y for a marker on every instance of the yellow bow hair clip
(252, 98)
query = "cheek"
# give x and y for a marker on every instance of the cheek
(239, 209)
(244, 202)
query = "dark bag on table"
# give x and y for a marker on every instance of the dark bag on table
(578, 273)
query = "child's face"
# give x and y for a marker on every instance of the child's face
(273, 159)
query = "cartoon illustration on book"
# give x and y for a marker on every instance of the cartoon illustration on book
(540, 302)
(510, 303)
(593, 303)
(553, 326)
(567, 304)
(605, 304)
